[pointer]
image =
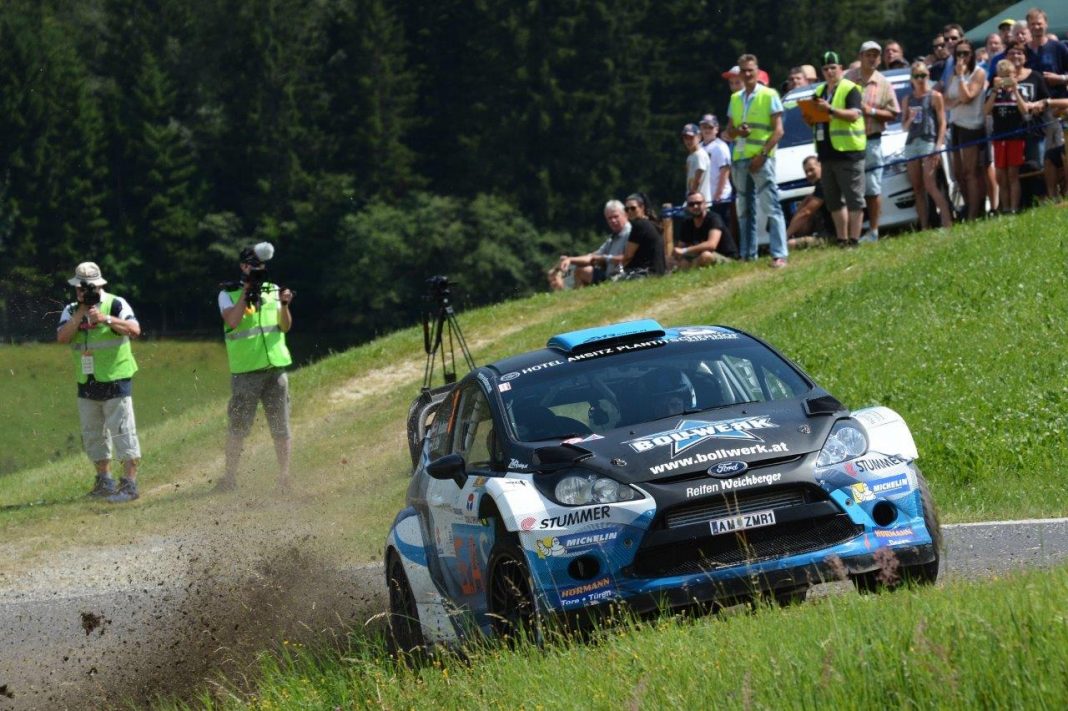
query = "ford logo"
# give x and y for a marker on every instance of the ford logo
(727, 469)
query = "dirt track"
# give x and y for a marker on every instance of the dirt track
(134, 622)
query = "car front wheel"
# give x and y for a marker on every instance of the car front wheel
(405, 632)
(512, 607)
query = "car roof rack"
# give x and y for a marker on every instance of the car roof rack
(601, 336)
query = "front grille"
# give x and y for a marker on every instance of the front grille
(696, 555)
(732, 504)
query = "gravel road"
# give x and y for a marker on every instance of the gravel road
(130, 622)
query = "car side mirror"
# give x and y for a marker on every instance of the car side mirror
(451, 466)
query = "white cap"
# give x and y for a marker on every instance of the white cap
(89, 273)
(869, 45)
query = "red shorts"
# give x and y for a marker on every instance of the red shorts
(1009, 154)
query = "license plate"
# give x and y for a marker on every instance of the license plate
(741, 522)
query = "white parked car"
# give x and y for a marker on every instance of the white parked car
(898, 208)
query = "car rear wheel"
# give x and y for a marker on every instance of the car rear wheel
(405, 634)
(511, 604)
(921, 573)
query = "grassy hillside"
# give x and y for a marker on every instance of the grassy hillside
(963, 334)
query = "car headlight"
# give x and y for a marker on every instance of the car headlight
(846, 441)
(580, 488)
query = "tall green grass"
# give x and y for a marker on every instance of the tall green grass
(997, 644)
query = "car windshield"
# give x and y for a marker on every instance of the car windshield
(563, 399)
(796, 132)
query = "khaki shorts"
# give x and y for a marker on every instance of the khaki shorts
(106, 423)
(247, 390)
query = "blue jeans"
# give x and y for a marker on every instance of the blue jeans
(750, 188)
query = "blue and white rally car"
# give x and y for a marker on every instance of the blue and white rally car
(650, 466)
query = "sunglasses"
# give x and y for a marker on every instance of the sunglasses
(919, 76)
(964, 53)
(695, 203)
(631, 208)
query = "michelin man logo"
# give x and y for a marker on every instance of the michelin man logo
(549, 547)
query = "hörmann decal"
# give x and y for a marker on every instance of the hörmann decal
(894, 533)
(689, 433)
(585, 589)
(687, 462)
(718, 487)
(595, 513)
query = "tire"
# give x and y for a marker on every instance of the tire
(405, 633)
(510, 600)
(927, 573)
(922, 573)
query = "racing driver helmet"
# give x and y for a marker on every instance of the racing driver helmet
(669, 392)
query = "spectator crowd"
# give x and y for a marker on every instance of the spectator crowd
(995, 109)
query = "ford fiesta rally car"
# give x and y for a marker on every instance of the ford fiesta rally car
(655, 467)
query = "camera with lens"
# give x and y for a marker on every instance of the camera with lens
(438, 288)
(255, 257)
(90, 294)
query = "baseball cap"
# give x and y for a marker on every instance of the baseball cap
(830, 57)
(88, 272)
(709, 120)
(870, 45)
(691, 129)
(1007, 21)
(732, 72)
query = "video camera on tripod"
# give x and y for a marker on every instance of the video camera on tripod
(439, 325)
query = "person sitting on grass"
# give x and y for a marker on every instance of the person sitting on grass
(704, 238)
(811, 224)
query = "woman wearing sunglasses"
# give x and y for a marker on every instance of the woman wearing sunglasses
(925, 121)
(964, 90)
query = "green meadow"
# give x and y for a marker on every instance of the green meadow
(964, 334)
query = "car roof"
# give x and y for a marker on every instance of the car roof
(576, 345)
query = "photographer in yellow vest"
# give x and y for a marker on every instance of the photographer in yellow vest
(256, 318)
(98, 327)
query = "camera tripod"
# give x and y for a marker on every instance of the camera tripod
(445, 328)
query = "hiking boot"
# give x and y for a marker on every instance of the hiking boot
(225, 484)
(127, 492)
(104, 486)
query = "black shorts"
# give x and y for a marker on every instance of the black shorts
(961, 136)
(599, 275)
(1056, 156)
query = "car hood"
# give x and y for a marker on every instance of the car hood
(737, 438)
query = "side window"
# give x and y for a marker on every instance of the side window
(438, 433)
(474, 435)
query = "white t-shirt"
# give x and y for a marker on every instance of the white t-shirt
(719, 157)
(698, 160)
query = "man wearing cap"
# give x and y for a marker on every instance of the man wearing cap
(256, 318)
(98, 327)
(719, 166)
(879, 104)
(697, 163)
(1005, 30)
(840, 146)
(755, 123)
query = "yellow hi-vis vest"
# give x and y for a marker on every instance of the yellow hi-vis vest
(258, 341)
(112, 355)
(758, 117)
(845, 135)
